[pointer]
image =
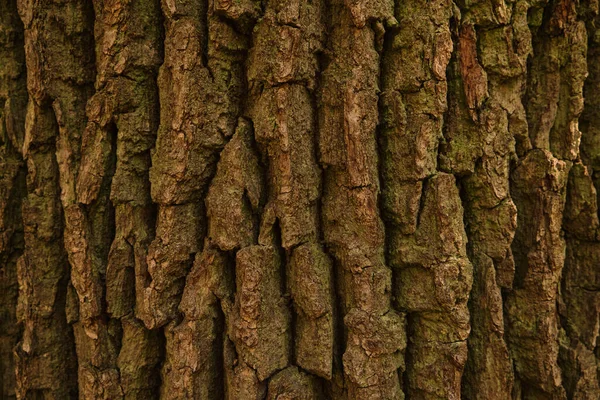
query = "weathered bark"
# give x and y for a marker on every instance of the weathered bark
(13, 100)
(300, 199)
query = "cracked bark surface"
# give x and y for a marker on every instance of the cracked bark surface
(300, 199)
(13, 100)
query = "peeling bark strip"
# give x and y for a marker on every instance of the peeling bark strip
(299, 199)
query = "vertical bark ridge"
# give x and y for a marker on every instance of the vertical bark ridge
(485, 115)
(386, 208)
(335, 387)
(352, 226)
(194, 361)
(13, 103)
(257, 345)
(202, 86)
(200, 102)
(118, 356)
(234, 203)
(538, 181)
(41, 307)
(282, 77)
(554, 101)
(423, 210)
(579, 299)
(57, 43)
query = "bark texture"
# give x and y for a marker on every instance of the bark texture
(299, 199)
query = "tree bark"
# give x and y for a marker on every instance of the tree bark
(299, 199)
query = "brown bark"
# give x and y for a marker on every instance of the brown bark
(13, 100)
(300, 199)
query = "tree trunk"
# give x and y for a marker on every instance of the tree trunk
(299, 199)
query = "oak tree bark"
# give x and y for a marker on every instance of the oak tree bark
(299, 199)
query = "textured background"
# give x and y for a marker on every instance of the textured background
(299, 199)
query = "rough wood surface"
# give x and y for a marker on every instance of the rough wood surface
(299, 199)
